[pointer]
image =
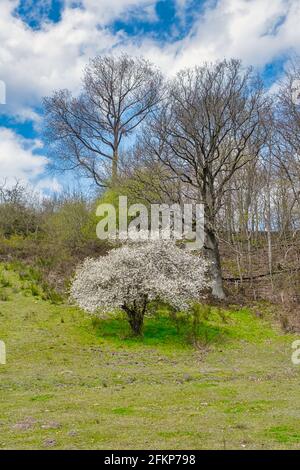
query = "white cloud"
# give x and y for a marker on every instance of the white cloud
(107, 10)
(256, 31)
(35, 62)
(19, 160)
(48, 184)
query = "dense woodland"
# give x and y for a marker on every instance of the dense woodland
(212, 134)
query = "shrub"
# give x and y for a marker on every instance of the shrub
(131, 276)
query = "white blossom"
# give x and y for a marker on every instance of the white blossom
(137, 273)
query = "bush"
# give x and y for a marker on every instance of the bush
(132, 276)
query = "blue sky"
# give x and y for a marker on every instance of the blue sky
(44, 45)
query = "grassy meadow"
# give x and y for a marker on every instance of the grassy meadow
(72, 381)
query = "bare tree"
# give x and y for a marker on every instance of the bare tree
(286, 139)
(85, 132)
(211, 125)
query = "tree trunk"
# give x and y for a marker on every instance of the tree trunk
(213, 255)
(211, 245)
(135, 318)
(136, 322)
(114, 170)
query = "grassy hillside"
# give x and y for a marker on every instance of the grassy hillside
(72, 382)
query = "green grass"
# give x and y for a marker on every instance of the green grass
(74, 382)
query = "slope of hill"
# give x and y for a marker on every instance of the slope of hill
(73, 382)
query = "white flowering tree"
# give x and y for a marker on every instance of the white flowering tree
(131, 276)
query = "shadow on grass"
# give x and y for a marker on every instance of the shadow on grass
(160, 329)
(205, 327)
